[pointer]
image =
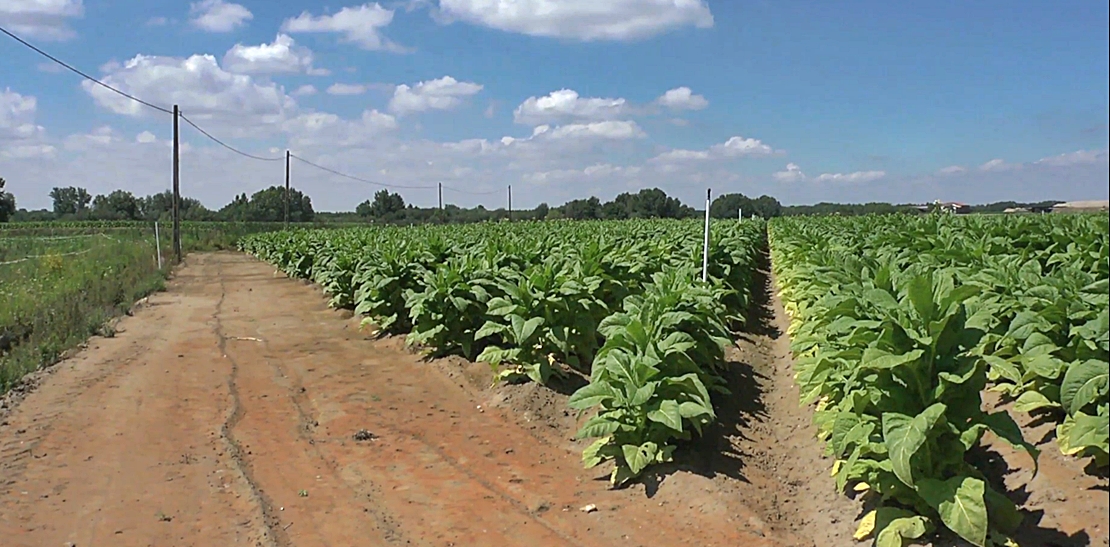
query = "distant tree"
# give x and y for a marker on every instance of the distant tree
(269, 206)
(160, 206)
(37, 215)
(7, 202)
(385, 205)
(237, 210)
(118, 205)
(70, 200)
(583, 209)
(540, 212)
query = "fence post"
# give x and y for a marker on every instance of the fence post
(705, 251)
(158, 244)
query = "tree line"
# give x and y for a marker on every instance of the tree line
(385, 207)
(75, 203)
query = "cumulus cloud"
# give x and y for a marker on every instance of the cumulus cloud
(306, 90)
(444, 93)
(322, 129)
(198, 85)
(851, 178)
(584, 20)
(17, 117)
(1079, 157)
(734, 147)
(20, 136)
(282, 56)
(792, 173)
(358, 25)
(610, 129)
(952, 170)
(146, 137)
(339, 88)
(566, 104)
(41, 19)
(218, 16)
(997, 165)
(682, 98)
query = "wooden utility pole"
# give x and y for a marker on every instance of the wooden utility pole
(176, 189)
(510, 203)
(287, 189)
(441, 196)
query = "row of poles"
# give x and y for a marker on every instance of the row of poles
(176, 208)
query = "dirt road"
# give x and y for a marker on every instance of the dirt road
(237, 409)
(225, 413)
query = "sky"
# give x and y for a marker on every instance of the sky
(805, 101)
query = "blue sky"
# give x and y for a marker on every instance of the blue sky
(805, 101)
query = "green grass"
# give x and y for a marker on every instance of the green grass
(61, 283)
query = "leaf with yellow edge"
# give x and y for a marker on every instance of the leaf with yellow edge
(861, 487)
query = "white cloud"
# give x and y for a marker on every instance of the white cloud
(339, 88)
(586, 20)
(683, 155)
(20, 136)
(146, 137)
(306, 90)
(952, 170)
(997, 165)
(1079, 157)
(283, 56)
(793, 173)
(566, 104)
(740, 146)
(218, 16)
(322, 129)
(851, 178)
(198, 85)
(358, 25)
(734, 147)
(100, 137)
(682, 98)
(610, 129)
(445, 93)
(42, 19)
(17, 117)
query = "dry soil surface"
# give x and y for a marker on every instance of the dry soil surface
(237, 409)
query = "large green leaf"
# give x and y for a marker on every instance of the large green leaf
(961, 505)
(668, 415)
(904, 436)
(1083, 384)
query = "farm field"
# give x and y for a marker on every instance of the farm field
(555, 360)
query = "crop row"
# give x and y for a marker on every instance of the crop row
(899, 324)
(621, 302)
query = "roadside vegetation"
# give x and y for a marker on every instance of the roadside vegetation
(62, 282)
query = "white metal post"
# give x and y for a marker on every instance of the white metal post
(741, 218)
(158, 244)
(705, 251)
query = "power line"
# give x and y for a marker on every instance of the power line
(498, 191)
(225, 145)
(360, 179)
(82, 74)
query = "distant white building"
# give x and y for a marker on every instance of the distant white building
(1082, 206)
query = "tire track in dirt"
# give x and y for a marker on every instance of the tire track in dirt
(272, 535)
(126, 449)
